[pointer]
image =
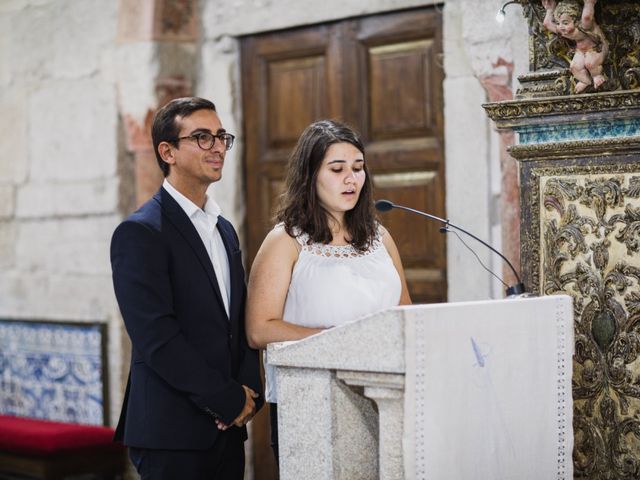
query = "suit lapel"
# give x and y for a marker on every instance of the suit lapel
(176, 215)
(230, 246)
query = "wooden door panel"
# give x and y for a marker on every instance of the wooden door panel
(393, 113)
(404, 154)
(297, 87)
(290, 80)
(419, 239)
(400, 26)
(413, 234)
(402, 94)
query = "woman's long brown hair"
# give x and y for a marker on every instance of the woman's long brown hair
(300, 209)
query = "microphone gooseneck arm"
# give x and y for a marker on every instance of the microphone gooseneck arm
(386, 205)
(473, 252)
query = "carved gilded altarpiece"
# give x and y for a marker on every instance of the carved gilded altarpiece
(579, 160)
(580, 234)
(550, 55)
(589, 226)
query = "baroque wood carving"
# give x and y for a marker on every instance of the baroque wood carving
(550, 55)
(510, 111)
(584, 237)
(580, 224)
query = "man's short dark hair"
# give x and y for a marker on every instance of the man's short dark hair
(166, 129)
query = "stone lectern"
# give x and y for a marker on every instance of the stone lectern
(442, 391)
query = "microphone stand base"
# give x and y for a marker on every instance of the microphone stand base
(514, 290)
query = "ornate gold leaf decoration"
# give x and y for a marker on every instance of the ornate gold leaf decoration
(586, 103)
(590, 249)
(575, 149)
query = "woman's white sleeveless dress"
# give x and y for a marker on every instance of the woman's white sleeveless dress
(332, 285)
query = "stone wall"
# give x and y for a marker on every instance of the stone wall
(482, 59)
(59, 164)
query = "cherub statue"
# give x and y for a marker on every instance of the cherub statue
(564, 19)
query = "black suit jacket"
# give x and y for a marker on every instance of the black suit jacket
(189, 360)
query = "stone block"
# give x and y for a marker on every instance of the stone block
(135, 20)
(222, 71)
(347, 354)
(466, 153)
(55, 297)
(91, 295)
(136, 69)
(7, 201)
(468, 183)
(66, 198)
(332, 370)
(456, 59)
(316, 386)
(5, 48)
(7, 245)
(73, 131)
(221, 17)
(519, 44)
(479, 17)
(75, 33)
(485, 47)
(15, 287)
(13, 135)
(9, 6)
(69, 246)
(334, 419)
(356, 433)
(118, 352)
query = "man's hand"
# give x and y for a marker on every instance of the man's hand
(247, 412)
(549, 4)
(249, 409)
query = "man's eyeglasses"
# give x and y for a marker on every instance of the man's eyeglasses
(207, 140)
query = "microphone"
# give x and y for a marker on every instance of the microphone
(517, 289)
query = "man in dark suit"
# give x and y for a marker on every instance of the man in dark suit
(177, 272)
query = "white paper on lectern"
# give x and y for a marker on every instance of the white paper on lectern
(488, 390)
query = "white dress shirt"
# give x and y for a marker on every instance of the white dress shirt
(205, 222)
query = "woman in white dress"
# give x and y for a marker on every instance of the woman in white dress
(328, 261)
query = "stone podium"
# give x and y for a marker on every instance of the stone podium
(441, 391)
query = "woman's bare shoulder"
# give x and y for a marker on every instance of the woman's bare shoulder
(279, 241)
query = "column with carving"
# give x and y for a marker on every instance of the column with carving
(579, 157)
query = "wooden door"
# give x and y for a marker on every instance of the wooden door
(382, 74)
(396, 104)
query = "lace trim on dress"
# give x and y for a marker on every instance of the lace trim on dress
(336, 251)
(340, 251)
